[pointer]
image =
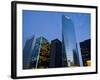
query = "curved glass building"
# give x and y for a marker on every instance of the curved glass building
(36, 53)
(40, 53)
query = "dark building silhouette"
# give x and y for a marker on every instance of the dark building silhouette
(55, 54)
(86, 52)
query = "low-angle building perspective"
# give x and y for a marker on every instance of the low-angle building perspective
(47, 49)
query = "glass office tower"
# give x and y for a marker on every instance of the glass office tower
(44, 53)
(27, 52)
(36, 53)
(69, 41)
(40, 53)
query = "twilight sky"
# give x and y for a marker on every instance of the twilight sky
(49, 25)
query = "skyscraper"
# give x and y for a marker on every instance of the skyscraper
(64, 57)
(40, 53)
(44, 55)
(69, 41)
(27, 52)
(86, 52)
(36, 53)
(55, 54)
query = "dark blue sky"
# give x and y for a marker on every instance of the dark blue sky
(49, 24)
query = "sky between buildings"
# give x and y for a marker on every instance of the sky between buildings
(49, 25)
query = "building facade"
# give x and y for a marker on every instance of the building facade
(27, 52)
(44, 53)
(86, 52)
(40, 53)
(36, 53)
(69, 40)
(55, 54)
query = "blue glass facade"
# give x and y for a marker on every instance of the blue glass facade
(40, 52)
(27, 52)
(36, 53)
(69, 41)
